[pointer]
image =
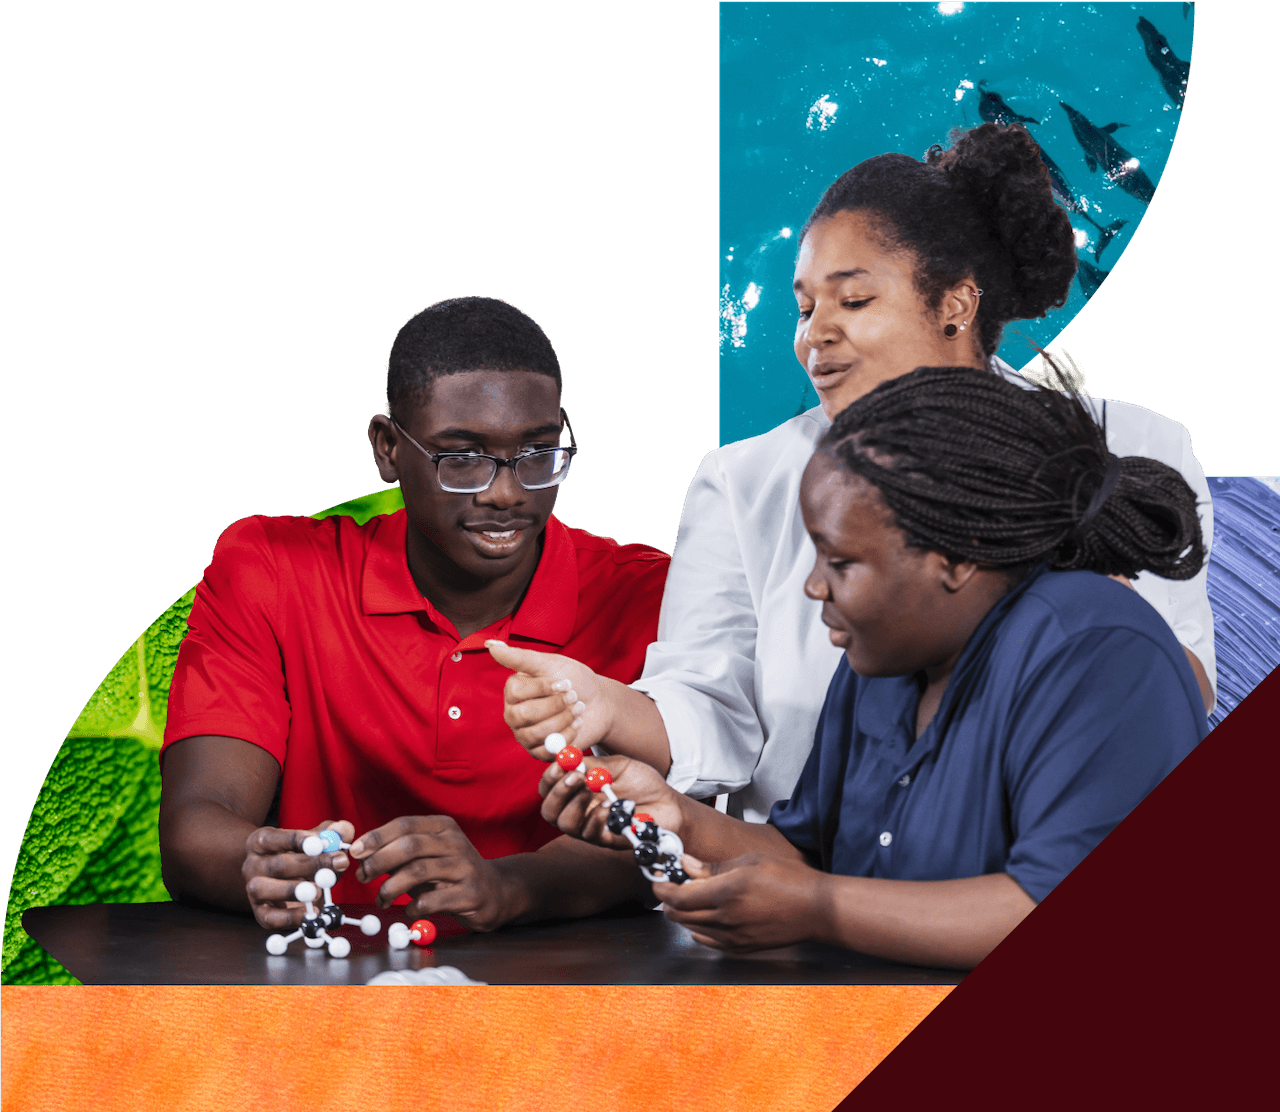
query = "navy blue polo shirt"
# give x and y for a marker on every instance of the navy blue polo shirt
(1070, 702)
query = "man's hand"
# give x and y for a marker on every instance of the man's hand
(430, 858)
(569, 804)
(274, 864)
(754, 902)
(551, 694)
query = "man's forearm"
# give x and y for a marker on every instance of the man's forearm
(568, 878)
(202, 852)
(953, 923)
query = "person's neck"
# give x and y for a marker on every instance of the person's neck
(933, 685)
(468, 602)
(933, 679)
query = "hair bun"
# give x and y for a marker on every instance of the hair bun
(999, 173)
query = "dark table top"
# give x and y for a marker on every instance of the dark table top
(168, 944)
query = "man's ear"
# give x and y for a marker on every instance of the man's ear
(385, 439)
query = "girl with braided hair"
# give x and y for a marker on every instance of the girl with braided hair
(903, 263)
(1004, 704)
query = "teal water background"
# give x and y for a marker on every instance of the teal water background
(809, 90)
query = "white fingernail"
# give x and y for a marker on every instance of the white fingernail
(579, 710)
(570, 697)
(561, 685)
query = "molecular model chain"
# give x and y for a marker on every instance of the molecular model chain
(316, 924)
(656, 849)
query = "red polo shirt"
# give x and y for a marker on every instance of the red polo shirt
(311, 640)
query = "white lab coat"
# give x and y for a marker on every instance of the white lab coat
(742, 661)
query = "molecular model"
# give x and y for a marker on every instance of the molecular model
(422, 931)
(316, 925)
(657, 850)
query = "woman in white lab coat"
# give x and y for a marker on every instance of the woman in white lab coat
(902, 264)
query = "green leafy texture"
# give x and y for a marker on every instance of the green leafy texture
(88, 790)
(92, 836)
(114, 706)
(371, 505)
(160, 651)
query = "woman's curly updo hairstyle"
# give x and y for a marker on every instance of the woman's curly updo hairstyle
(978, 468)
(984, 208)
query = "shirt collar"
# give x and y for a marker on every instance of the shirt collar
(549, 609)
(547, 613)
(886, 707)
(883, 706)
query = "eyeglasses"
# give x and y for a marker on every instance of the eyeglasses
(473, 472)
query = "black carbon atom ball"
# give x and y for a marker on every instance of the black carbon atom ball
(620, 815)
(646, 853)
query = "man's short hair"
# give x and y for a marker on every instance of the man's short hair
(464, 334)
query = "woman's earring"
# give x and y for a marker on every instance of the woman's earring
(962, 324)
(949, 331)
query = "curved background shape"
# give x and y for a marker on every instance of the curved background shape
(809, 90)
(92, 836)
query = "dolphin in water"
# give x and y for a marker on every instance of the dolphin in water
(993, 109)
(1090, 278)
(1173, 72)
(1101, 149)
(1067, 199)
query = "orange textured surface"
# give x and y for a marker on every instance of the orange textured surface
(689, 1048)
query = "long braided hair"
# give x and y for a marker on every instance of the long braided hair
(980, 469)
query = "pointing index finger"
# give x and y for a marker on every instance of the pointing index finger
(529, 661)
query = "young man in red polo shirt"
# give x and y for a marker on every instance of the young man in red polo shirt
(336, 673)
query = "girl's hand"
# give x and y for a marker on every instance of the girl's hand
(551, 694)
(573, 807)
(754, 902)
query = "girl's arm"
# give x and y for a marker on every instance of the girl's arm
(757, 902)
(706, 833)
(763, 893)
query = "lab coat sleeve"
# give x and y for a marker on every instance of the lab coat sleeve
(701, 671)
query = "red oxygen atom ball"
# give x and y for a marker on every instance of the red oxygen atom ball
(426, 931)
(597, 778)
(642, 816)
(569, 758)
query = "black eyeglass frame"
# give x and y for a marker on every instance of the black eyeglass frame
(436, 457)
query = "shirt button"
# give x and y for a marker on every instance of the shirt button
(454, 712)
(905, 780)
(886, 838)
(456, 657)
